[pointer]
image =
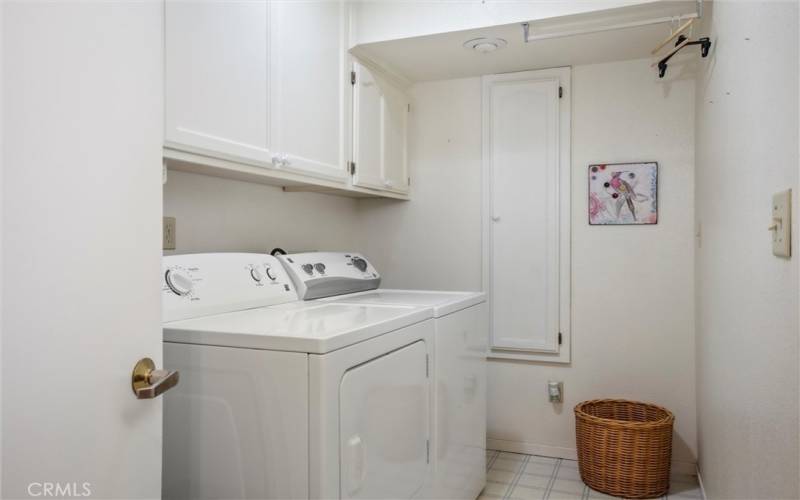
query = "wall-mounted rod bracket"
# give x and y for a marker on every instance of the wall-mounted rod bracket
(704, 43)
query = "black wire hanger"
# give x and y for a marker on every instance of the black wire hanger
(681, 42)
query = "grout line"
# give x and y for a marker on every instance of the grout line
(492, 459)
(552, 481)
(513, 485)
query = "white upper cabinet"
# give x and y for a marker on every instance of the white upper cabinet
(380, 126)
(310, 93)
(217, 78)
(261, 90)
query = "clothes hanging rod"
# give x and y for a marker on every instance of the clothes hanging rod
(526, 29)
(663, 19)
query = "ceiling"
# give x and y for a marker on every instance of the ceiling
(443, 56)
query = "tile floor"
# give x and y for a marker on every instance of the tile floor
(513, 476)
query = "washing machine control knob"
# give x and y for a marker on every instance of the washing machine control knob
(308, 268)
(257, 274)
(179, 282)
(270, 274)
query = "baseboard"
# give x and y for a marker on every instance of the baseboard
(568, 453)
(532, 449)
(700, 482)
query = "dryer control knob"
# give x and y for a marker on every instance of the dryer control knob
(270, 274)
(308, 268)
(360, 264)
(178, 282)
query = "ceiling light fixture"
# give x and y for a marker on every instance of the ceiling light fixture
(485, 45)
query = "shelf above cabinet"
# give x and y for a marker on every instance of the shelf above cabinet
(622, 33)
(290, 182)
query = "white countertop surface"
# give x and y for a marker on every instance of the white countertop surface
(313, 327)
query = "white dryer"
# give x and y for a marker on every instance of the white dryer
(461, 347)
(285, 399)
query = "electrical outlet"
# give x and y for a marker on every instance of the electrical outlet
(169, 233)
(555, 391)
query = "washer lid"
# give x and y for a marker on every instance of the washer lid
(443, 303)
(316, 327)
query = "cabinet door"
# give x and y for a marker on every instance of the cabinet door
(217, 78)
(526, 202)
(380, 131)
(310, 87)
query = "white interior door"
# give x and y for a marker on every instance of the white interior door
(526, 183)
(83, 130)
(384, 417)
(310, 86)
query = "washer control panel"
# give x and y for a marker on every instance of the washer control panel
(325, 274)
(195, 285)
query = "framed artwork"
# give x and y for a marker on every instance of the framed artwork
(623, 193)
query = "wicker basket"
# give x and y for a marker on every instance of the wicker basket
(624, 447)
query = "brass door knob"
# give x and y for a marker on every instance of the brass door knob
(148, 383)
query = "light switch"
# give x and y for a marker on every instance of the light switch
(781, 226)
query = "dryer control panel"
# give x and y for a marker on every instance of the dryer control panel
(195, 285)
(325, 274)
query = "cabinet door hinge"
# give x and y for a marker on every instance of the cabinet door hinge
(352, 78)
(427, 366)
(351, 166)
(428, 451)
(560, 92)
(560, 339)
(409, 181)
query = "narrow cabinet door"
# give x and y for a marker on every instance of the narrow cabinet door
(380, 129)
(396, 108)
(217, 78)
(311, 89)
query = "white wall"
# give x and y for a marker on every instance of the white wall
(747, 329)
(379, 20)
(633, 288)
(223, 215)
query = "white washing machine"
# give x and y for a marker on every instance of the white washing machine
(285, 399)
(461, 347)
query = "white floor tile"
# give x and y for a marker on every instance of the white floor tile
(540, 479)
(500, 476)
(525, 493)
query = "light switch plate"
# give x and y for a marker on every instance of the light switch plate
(781, 227)
(169, 233)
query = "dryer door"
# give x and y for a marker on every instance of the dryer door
(384, 419)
